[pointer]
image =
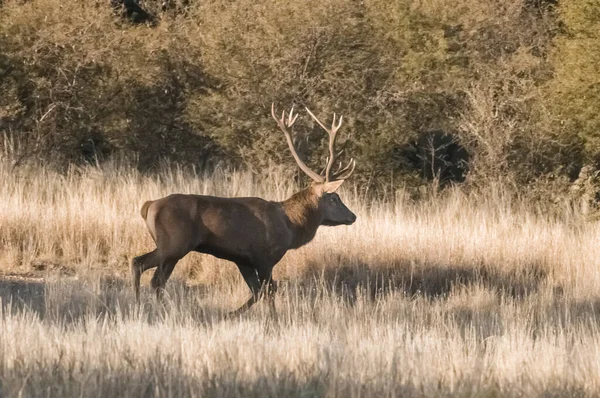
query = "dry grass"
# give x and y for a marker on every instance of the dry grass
(458, 295)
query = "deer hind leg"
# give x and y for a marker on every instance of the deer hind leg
(162, 275)
(251, 277)
(138, 266)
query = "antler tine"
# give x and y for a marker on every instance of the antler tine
(292, 118)
(332, 137)
(335, 128)
(316, 119)
(322, 172)
(338, 174)
(327, 162)
(282, 126)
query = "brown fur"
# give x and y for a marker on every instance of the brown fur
(300, 206)
(302, 210)
(251, 232)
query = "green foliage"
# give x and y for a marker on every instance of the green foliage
(574, 93)
(303, 53)
(196, 85)
(82, 85)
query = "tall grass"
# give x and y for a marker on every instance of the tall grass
(462, 294)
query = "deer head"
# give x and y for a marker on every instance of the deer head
(324, 185)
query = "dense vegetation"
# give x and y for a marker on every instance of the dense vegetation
(509, 88)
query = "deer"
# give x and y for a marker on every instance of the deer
(251, 232)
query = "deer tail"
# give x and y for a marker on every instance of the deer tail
(144, 211)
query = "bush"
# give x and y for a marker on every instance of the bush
(574, 92)
(83, 85)
(196, 85)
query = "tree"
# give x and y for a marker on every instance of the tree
(574, 93)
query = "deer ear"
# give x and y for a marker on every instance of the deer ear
(331, 187)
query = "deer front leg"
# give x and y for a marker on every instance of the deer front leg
(251, 277)
(269, 288)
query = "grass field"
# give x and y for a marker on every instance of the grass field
(457, 295)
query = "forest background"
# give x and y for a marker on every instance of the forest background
(467, 91)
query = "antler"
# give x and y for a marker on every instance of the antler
(332, 155)
(284, 125)
(339, 174)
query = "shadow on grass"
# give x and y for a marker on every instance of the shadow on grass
(166, 378)
(23, 294)
(72, 300)
(434, 281)
(110, 298)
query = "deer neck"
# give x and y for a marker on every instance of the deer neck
(304, 216)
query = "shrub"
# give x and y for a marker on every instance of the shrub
(574, 92)
(196, 85)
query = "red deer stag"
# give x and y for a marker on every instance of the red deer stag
(251, 232)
